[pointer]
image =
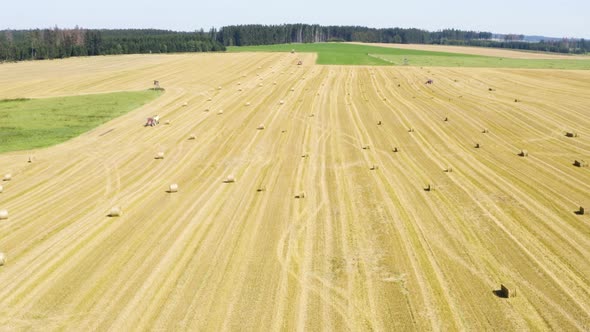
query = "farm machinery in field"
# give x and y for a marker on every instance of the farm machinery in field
(152, 121)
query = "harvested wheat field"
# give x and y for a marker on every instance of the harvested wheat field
(297, 226)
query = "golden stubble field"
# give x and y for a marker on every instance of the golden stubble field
(365, 249)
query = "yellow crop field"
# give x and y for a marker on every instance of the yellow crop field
(417, 239)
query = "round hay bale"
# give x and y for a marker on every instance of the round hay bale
(395, 149)
(185, 104)
(523, 153)
(1, 188)
(374, 167)
(240, 89)
(7, 177)
(247, 104)
(209, 99)
(206, 110)
(282, 102)
(220, 112)
(160, 155)
(2, 259)
(274, 83)
(239, 83)
(167, 122)
(260, 127)
(30, 159)
(301, 194)
(219, 88)
(3, 214)
(115, 212)
(173, 188)
(259, 84)
(292, 89)
(230, 179)
(192, 137)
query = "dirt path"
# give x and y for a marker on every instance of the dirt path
(485, 51)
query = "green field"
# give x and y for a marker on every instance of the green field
(353, 54)
(36, 123)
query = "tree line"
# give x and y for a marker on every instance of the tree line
(256, 34)
(38, 44)
(18, 45)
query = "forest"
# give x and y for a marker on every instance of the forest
(244, 35)
(39, 44)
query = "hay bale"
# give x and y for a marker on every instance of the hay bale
(366, 147)
(192, 137)
(507, 292)
(281, 102)
(374, 167)
(411, 130)
(230, 179)
(395, 149)
(260, 127)
(239, 83)
(379, 123)
(220, 112)
(301, 194)
(1, 188)
(571, 134)
(446, 119)
(429, 187)
(449, 169)
(292, 89)
(3, 214)
(160, 155)
(115, 212)
(516, 100)
(581, 211)
(274, 83)
(259, 84)
(477, 145)
(209, 99)
(219, 88)
(580, 163)
(30, 159)
(485, 131)
(240, 89)
(206, 110)
(523, 153)
(311, 115)
(261, 188)
(2, 259)
(167, 122)
(306, 155)
(7, 177)
(173, 188)
(247, 104)
(185, 104)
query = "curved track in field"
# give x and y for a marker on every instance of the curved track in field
(364, 250)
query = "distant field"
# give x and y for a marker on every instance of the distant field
(485, 51)
(36, 123)
(356, 54)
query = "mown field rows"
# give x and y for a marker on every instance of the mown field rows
(363, 250)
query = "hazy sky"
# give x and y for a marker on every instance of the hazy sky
(564, 18)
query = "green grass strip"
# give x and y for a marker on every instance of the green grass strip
(37, 123)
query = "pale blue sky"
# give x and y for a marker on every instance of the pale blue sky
(564, 18)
